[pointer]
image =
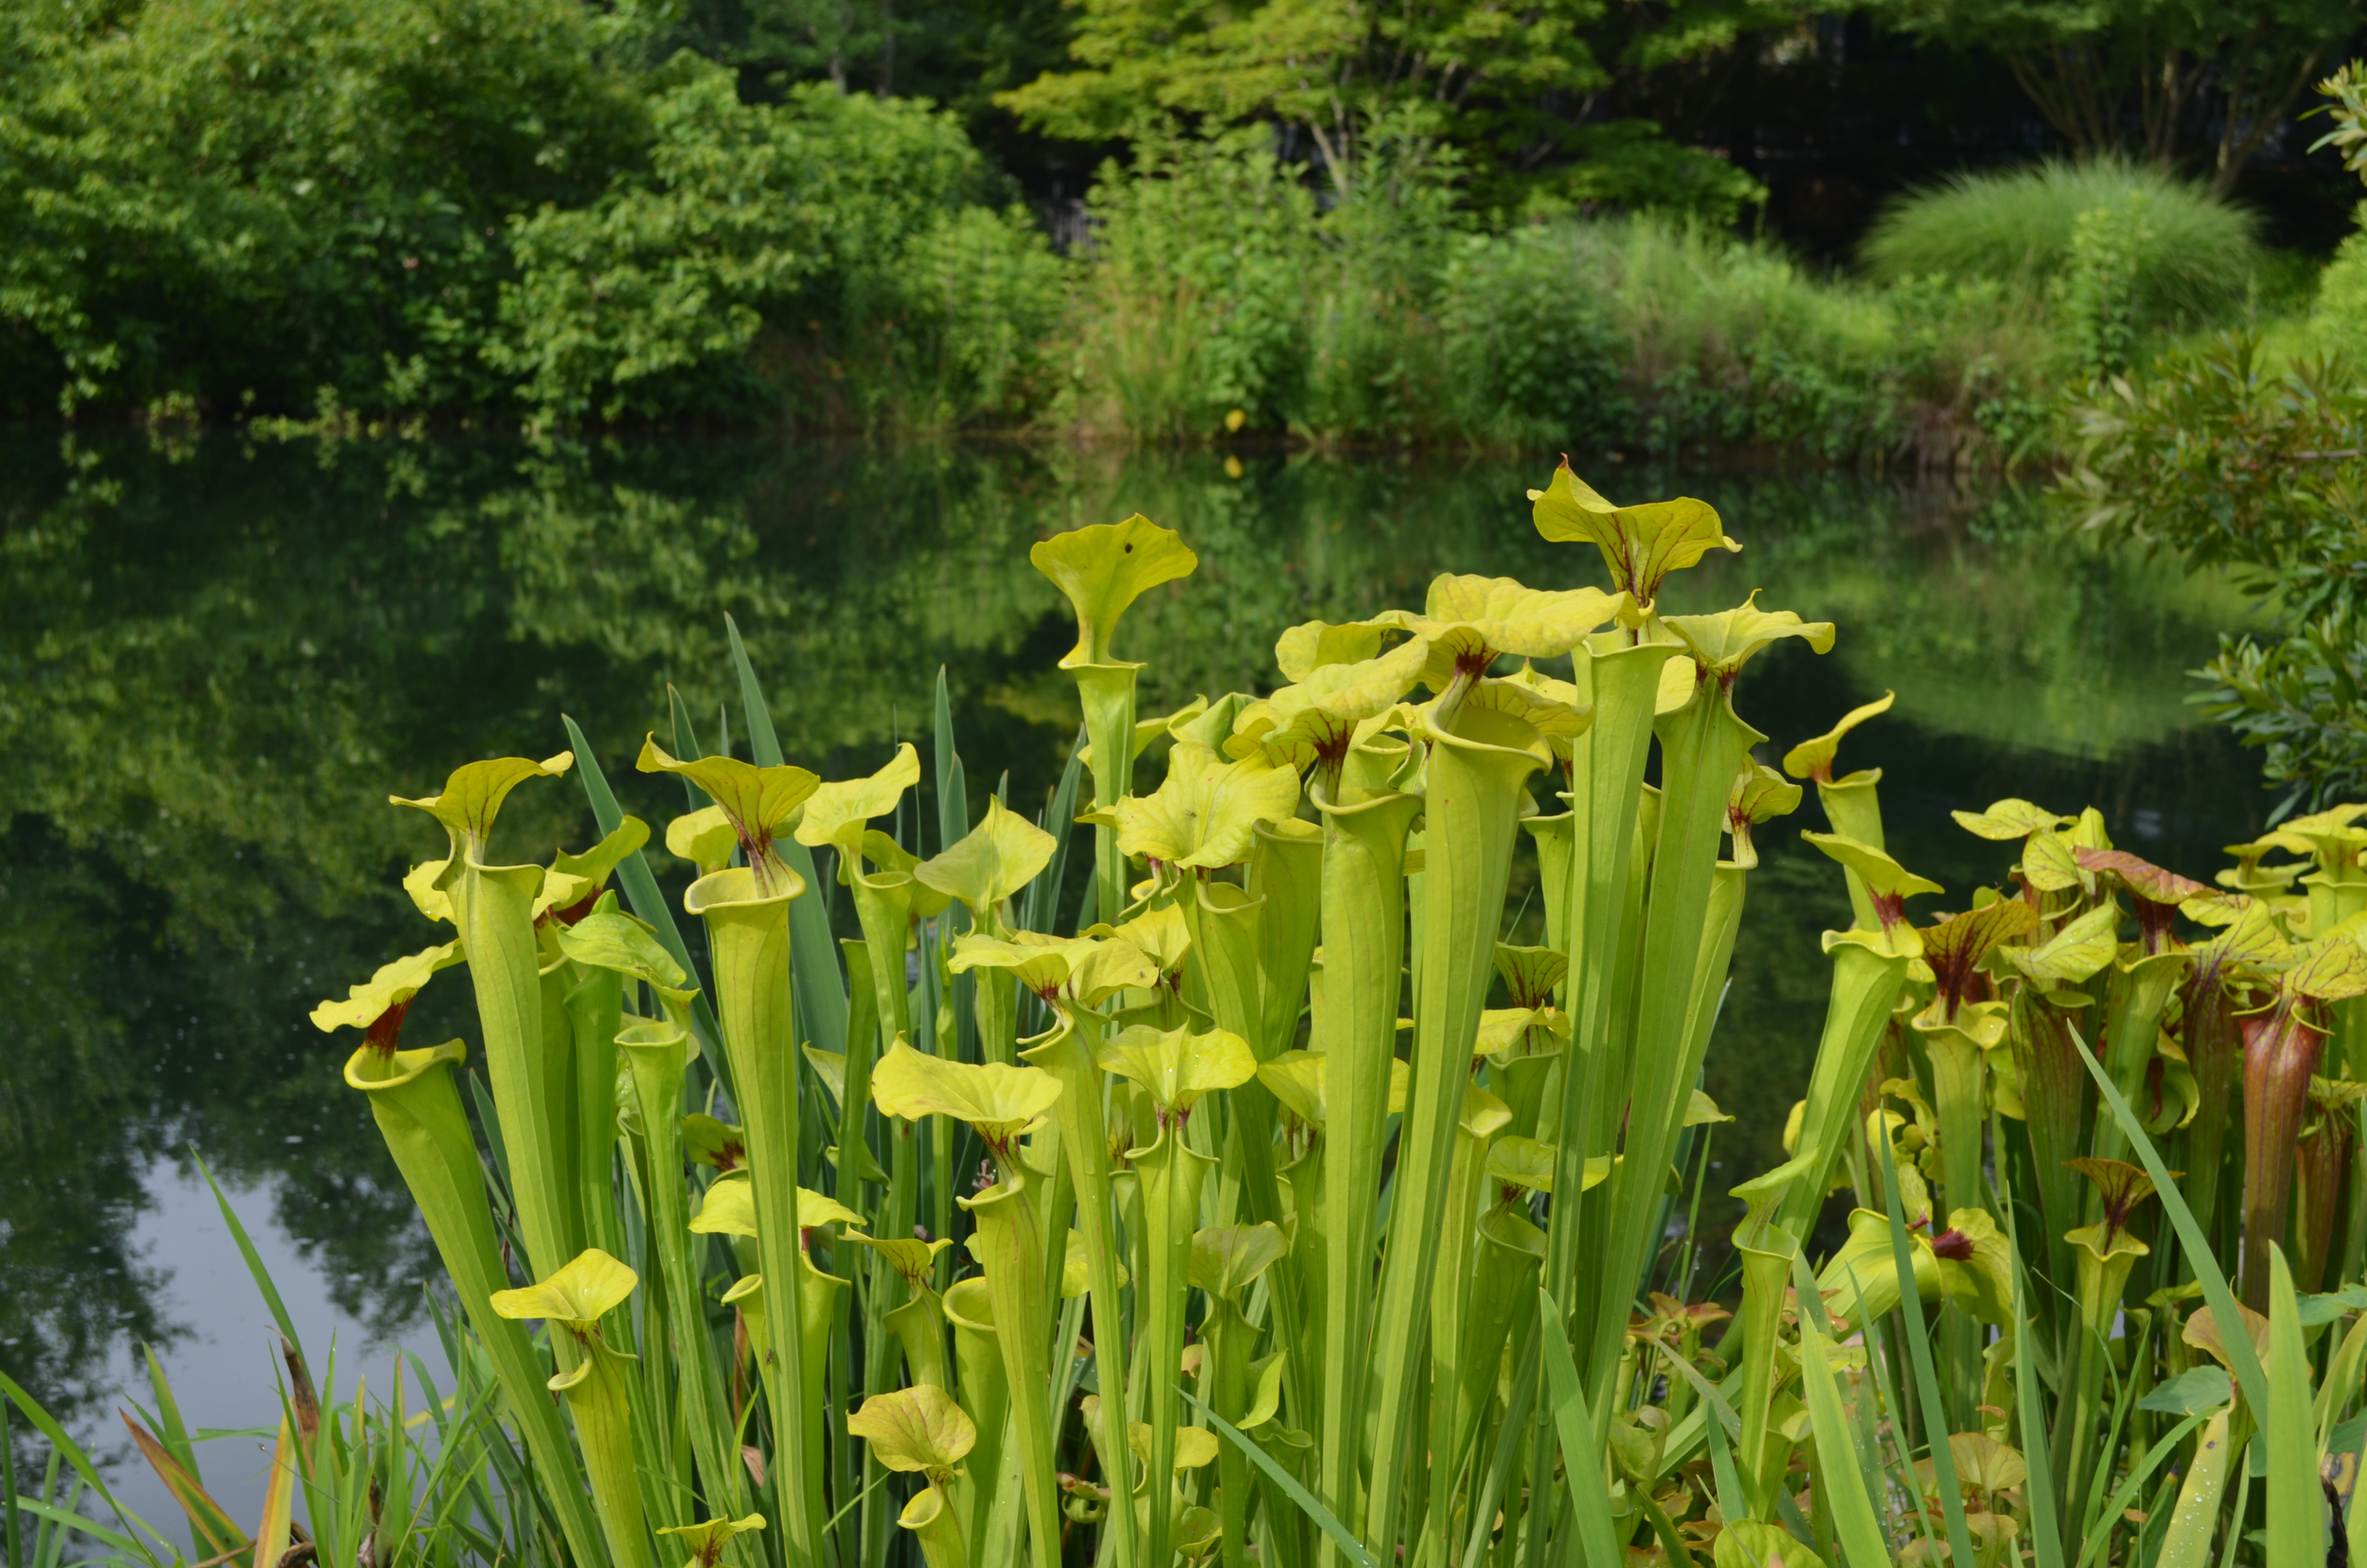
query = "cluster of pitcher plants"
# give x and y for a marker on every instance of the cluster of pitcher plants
(1268, 1208)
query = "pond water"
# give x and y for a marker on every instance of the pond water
(219, 659)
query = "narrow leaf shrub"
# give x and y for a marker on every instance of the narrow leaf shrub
(2189, 255)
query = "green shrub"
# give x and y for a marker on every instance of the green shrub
(1195, 302)
(833, 223)
(2192, 255)
(247, 200)
(2338, 320)
(1531, 358)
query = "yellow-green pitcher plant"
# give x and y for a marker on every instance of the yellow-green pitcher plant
(1325, 1216)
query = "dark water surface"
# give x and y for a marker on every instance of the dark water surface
(217, 661)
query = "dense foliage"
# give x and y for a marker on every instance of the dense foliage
(1300, 1274)
(2215, 459)
(1439, 228)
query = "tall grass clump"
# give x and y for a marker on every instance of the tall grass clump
(2189, 256)
(1260, 1203)
(1219, 297)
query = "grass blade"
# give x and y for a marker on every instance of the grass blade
(10, 1539)
(1722, 1472)
(1854, 1523)
(2190, 1236)
(685, 744)
(63, 1446)
(2137, 1478)
(1927, 1374)
(218, 1531)
(272, 1532)
(2045, 1527)
(2297, 1509)
(1589, 1496)
(1325, 1519)
(255, 1267)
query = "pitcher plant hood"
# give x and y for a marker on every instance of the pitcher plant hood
(991, 863)
(1203, 814)
(1175, 1067)
(377, 1006)
(581, 1292)
(1722, 643)
(1317, 717)
(1000, 1102)
(1812, 760)
(1760, 795)
(1641, 544)
(472, 797)
(1891, 885)
(707, 1538)
(572, 885)
(916, 1431)
(756, 801)
(1103, 569)
(838, 815)
(729, 1208)
(1470, 621)
(1083, 968)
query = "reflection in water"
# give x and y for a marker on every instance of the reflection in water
(219, 661)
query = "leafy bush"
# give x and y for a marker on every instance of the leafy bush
(1530, 360)
(1215, 286)
(2212, 458)
(1195, 303)
(2337, 317)
(2189, 255)
(253, 200)
(832, 221)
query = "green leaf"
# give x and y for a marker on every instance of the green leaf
(1590, 1494)
(2197, 1391)
(2297, 1509)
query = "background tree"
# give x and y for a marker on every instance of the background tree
(2157, 80)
